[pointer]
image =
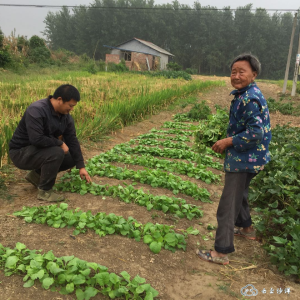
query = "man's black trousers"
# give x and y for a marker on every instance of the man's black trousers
(45, 161)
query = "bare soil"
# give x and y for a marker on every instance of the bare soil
(177, 276)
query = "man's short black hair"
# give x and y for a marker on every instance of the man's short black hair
(251, 59)
(67, 92)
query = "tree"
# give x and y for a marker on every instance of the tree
(5, 56)
(38, 52)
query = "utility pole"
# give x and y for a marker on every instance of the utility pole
(296, 69)
(289, 56)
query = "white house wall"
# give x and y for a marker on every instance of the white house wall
(164, 59)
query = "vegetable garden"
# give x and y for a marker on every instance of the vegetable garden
(152, 198)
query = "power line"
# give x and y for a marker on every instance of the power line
(146, 8)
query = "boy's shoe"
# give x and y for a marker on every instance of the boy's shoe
(33, 177)
(49, 196)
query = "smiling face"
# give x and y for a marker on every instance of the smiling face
(242, 74)
(65, 108)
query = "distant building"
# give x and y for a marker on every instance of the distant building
(139, 55)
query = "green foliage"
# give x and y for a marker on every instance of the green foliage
(128, 194)
(36, 42)
(84, 57)
(172, 153)
(178, 125)
(191, 36)
(5, 57)
(119, 68)
(69, 274)
(38, 52)
(1, 39)
(200, 111)
(22, 43)
(91, 67)
(146, 160)
(173, 66)
(155, 178)
(276, 194)
(173, 131)
(119, 102)
(168, 74)
(211, 130)
(287, 108)
(103, 224)
(191, 71)
(152, 135)
(39, 55)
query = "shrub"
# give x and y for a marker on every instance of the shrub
(91, 67)
(121, 67)
(191, 71)
(5, 57)
(200, 111)
(39, 55)
(36, 42)
(169, 74)
(38, 52)
(173, 66)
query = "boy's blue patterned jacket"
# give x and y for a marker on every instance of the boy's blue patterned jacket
(249, 125)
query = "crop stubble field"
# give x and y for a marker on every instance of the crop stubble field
(178, 275)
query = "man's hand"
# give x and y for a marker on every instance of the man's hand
(65, 148)
(85, 175)
(221, 145)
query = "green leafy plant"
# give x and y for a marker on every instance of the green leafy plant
(164, 136)
(197, 171)
(275, 192)
(173, 131)
(173, 66)
(156, 235)
(211, 130)
(69, 274)
(178, 125)
(128, 194)
(288, 108)
(155, 178)
(200, 111)
(172, 153)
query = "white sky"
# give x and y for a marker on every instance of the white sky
(28, 21)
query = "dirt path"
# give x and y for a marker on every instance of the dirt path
(177, 276)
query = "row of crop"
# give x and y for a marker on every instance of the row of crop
(68, 274)
(155, 178)
(151, 135)
(156, 235)
(60, 273)
(275, 193)
(171, 153)
(173, 131)
(197, 171)
(170, 144)
(129, 194)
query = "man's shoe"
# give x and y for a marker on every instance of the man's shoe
(49, 196)
(33, 177)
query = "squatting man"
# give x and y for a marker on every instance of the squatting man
(45, 142)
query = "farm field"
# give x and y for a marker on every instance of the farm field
(178, 275)
(111, 100)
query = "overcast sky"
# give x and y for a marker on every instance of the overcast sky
(28, 21)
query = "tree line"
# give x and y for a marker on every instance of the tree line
(201, 37)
